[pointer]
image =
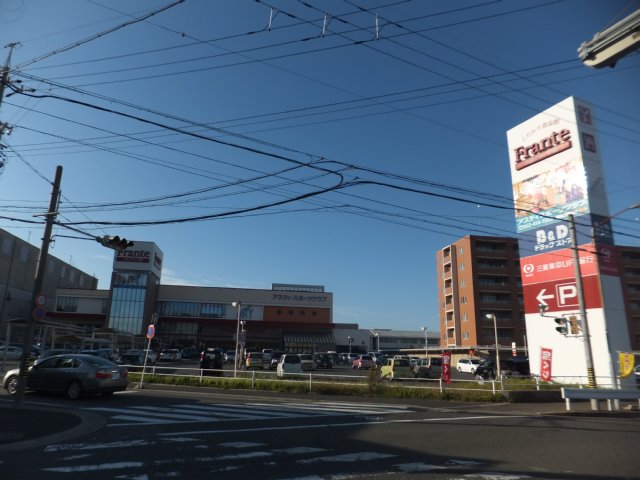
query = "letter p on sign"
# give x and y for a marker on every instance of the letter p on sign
(567, 294)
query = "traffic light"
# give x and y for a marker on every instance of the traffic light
(116, 242)
(562, 325)
(573, 324)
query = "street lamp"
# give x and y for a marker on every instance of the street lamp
(426, 344)
(492, 316)
(350, 340)
(237, 305)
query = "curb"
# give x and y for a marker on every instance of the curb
(89, 423)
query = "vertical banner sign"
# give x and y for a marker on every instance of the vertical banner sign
(446, 367)
(626, 364)
(514, 349)
(545, 364)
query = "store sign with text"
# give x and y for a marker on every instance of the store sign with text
(549, 267)
(545, 364)
(561, 295)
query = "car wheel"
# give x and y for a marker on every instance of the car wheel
(473, 370)
(74, 390)
(12, 385)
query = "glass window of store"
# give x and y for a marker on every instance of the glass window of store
(128, 300)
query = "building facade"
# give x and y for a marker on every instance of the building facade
(629, 259)
(18, 264)
(479, 277)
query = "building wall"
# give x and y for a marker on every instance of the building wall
(18, 262)
(629, 258)
(478, 276)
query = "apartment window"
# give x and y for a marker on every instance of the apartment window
(463, 283)
(462, 267)
(465, 335)
(463, 299)
(24, 254)
(460, 251)
(465, 317)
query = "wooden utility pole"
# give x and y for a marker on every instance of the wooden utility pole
(38, 309)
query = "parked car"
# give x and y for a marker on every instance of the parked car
(428, 368)
(323, 360)
(10, 352)
(468, 365)
(485, 371)
(289, 363)
(107, 353)
(229, 356)
(170, 355)
(516, 366)
(306, 362)
(273, 362)
(253, 360)
(136, 357)
(362, 362)
(395, 368)
(188, 353)
(71, 374)
(212, 361)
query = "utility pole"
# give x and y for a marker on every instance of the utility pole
(37, 287)
(583, 310)
(4, 80)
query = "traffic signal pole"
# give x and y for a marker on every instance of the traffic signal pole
(583, 310)
(37, 287)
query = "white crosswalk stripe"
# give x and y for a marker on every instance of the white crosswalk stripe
(191, 413)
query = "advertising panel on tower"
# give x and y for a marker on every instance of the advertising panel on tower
(557, 176)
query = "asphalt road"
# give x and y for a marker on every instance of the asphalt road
(179, 433)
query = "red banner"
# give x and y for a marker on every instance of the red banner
(446, 367)
(545, 364)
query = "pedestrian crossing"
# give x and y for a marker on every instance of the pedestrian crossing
(196, 412)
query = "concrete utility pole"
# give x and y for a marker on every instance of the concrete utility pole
(37, 287)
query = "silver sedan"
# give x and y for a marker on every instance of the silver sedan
(71, 374)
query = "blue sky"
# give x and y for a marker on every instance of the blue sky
(342, 159)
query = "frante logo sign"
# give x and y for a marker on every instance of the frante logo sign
(140, 256)
(547, 147)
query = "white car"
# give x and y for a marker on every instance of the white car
(289, 363)
(306, 362)
(468, 365)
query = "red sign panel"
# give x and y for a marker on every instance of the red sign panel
(561, 295)
(446, 367)
(545, 364)
(556, 265)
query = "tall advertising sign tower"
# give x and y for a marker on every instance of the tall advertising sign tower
(557, 176)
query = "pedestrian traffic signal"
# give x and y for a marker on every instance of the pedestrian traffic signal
(562, 325)
(116, 242)
(573, 323)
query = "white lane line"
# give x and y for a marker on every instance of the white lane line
(347, 457)
(239, 412)
(93, 468)
(345, 424)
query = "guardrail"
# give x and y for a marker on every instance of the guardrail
(312, 378)
(612, 396)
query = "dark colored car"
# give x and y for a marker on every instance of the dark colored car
(516, 366)
(485, 371)
(273, 362)
(212, 361)
(73, 375)
(323, 360)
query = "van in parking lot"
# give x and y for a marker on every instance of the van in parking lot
(428, 368)
(289, 363)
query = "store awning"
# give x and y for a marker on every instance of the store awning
(310, 338)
